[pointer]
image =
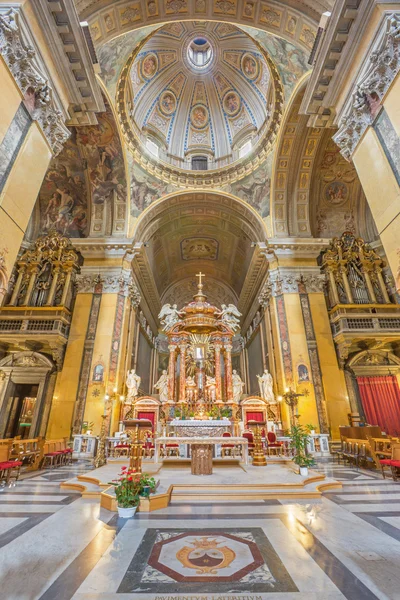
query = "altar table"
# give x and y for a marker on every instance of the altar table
(237, 441)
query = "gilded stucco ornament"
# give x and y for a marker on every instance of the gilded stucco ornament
(382, 67)
(22, 60)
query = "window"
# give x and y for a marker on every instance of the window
(245, 149)
(152, 147)
(199, 163)
(200, 52)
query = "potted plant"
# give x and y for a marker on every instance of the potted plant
(147, 485)
(299, 438)
(127, 489)
(311, 428)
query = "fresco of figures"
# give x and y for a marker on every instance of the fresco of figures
(63, 197)
(145, 188)
(90, 169)
(100, 146)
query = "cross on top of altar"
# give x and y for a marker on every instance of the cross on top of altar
(200, 275)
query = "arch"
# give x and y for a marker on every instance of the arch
(289, 204)
(295, 23)
(27, 359)
(374, 362)
(183, 232)
(228, 201)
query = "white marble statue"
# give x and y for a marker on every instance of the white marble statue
(132, 383)
(230, 316)
(162, 387)
(266, 386)
(211, 387)
(237, 386)
(169, 315)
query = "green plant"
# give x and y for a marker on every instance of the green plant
(147, 485)
(127, 488)
(299, 437)
(226, 412)
(310, 427)
(87, 426)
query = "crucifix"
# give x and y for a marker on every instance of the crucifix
(200, 275)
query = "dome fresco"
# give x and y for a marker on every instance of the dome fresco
(200, 89)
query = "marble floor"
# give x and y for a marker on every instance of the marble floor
(55, 545)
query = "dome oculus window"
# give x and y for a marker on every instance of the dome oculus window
(200, 52)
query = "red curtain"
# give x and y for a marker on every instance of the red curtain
(380, 398)
(147, 415)
(254, 416)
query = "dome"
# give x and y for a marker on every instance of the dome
(200, 96)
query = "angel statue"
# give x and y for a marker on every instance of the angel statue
(237, 385)
(266, 386)
(169, 315)
(230, 316)
(132, 383)
(162, 387)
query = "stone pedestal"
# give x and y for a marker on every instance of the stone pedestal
(201, 459)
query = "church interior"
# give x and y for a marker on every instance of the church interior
(199, 299)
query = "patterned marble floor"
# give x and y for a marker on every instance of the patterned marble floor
(55, 545)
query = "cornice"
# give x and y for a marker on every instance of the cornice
(102, 247)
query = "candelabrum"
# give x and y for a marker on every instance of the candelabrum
(101, 455)
(292, 400)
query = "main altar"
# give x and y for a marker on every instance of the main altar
(200, 396)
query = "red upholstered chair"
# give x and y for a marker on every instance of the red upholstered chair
(273, 444)
(250, 438)
(8, 467)
(121, 449)
(227, 447)
(148, 447)
(172, 448)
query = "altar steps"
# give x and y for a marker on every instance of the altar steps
(313, 487)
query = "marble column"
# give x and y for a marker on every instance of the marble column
(182, 375)
(217, 348)
(228, 372)
(171, 373)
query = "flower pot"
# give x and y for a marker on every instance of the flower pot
(192, 418)
(304, 471)
(126, 513)
(312, 432)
